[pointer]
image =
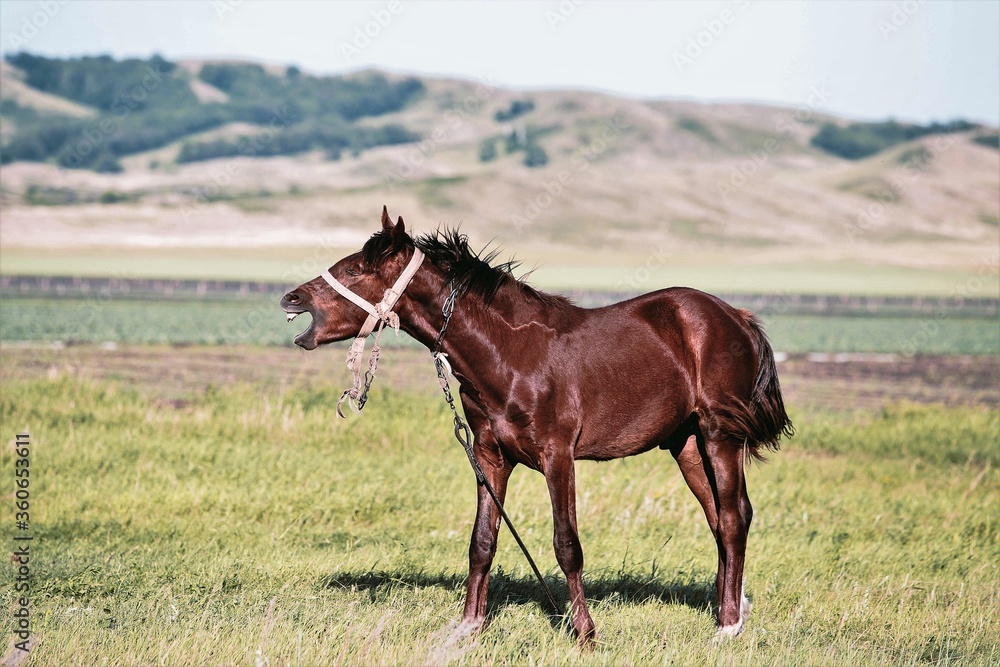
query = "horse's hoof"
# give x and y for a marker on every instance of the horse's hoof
(451, 644)
(727, 632)
(586, 640)
(458, 630)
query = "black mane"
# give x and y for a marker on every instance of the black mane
(472, 272)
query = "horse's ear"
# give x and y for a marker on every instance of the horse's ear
(399, 232)
(386, 220)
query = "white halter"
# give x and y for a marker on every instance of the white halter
(380, 313)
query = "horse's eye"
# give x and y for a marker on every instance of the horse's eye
(353, 272)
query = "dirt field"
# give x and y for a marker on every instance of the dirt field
(179, 374)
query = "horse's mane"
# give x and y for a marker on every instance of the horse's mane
(472, 272)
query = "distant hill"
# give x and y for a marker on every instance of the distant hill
(138, 105)
(599, 190)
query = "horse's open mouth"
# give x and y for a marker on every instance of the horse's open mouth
(306, 339)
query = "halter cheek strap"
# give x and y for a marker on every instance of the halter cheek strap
(348, 294)
(380, 314)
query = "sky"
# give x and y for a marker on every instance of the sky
(913, 60)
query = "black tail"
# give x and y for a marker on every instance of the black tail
(765, 419)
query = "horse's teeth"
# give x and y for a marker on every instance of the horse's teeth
(290, 316)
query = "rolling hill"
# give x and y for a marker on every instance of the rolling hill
(622, 193)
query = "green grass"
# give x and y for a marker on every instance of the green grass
(251, 527)
(905, 335)
(255, 320)
(260, 321)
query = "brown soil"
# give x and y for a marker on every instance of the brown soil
(874, 381)
(177, 375)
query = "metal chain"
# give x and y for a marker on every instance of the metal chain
(464, 436)
(446, 310)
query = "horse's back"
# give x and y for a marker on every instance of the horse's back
(709, 342)
(718, 338)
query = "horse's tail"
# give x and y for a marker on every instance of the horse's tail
(763, 420)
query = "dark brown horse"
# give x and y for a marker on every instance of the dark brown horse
(544, 382)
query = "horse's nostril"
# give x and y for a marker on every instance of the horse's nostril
(292, 297)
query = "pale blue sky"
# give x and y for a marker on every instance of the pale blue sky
(916, 60)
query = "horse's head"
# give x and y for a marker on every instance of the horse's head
(367, 273)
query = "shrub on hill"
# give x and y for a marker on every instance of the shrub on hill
(488, 150)
(516, 108)
(859, 140)
(535, 155)
(108, 84)
(331, 137)
(988, 140)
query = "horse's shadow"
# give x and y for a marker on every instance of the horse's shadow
(618, 588)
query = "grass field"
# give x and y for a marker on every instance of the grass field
(260, 321)
(244, 524)
(582, 269)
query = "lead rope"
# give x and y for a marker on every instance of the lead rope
(464, 437)
(357, 395)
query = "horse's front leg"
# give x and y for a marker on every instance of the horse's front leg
(560, 476)
(483, 546)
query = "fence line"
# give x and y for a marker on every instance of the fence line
(187, 289)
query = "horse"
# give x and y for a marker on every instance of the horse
(544, 382)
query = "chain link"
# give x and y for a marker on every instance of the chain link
(447, 310)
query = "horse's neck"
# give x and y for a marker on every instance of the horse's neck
(480, 336)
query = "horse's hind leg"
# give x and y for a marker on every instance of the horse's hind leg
(692, 466)
(730, 537)
(725, 462)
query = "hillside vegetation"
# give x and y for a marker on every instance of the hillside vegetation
(145, 104)
(595, 190)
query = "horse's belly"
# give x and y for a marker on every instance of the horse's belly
(629, 434)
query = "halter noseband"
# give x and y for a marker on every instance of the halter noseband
(381, 314)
